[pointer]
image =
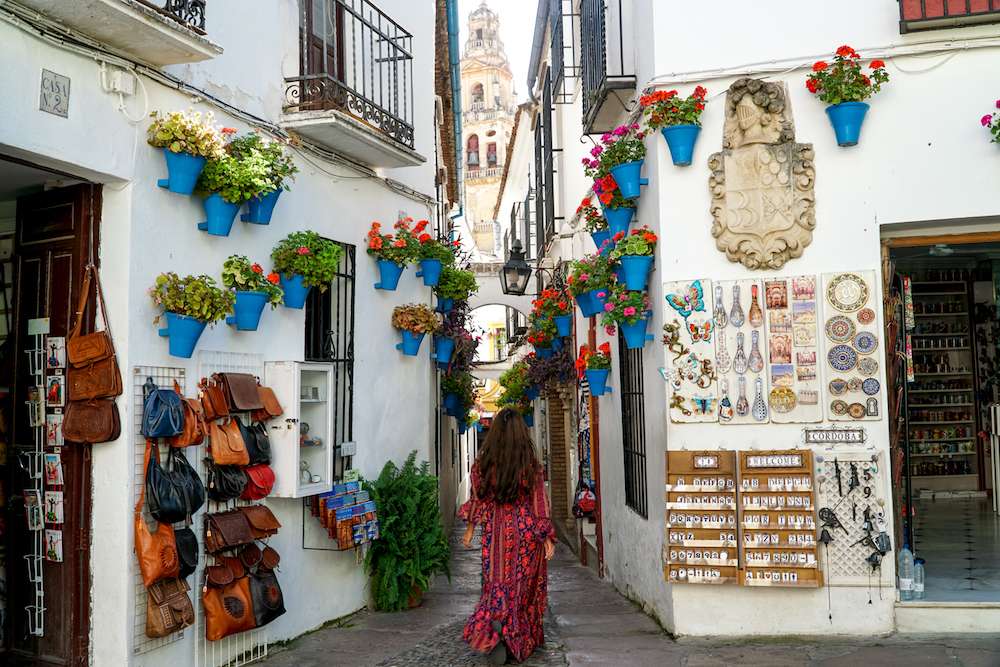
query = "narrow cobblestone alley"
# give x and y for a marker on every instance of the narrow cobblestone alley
(589, 623)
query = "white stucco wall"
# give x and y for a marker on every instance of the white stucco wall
(146, 230)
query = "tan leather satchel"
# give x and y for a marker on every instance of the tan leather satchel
(227, 603)
(156, 551)
(261, 520)
(90, 422)
(240, 390)
(194, 422)
(272, 407)
(93, 368)
(213, 400)
(168, 608)
(226, 444)
(226, 529)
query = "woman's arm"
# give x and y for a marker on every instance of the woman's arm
(544, 530)
(472, 510)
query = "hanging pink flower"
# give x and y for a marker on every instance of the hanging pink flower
(610, 330)
(629, 311)
(986, 120)
(608, 307)
(596, 150)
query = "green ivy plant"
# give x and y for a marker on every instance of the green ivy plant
(309, 255)
(456, 284)
(195, 296)
(462, 385)
(236, 179)
(279, 165)
(239, 274)
(186, 132)
(411, 547)
(430, 248)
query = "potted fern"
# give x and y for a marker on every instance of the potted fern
(253, 291)
(411, 547)
(304, 260)
(189, 304)
(187, 142)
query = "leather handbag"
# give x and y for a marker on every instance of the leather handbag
(226, 445)
(187, 551)
(91, 422)
(186, 477)
(162, 414)
(213, 400)
(228, 606)
(269, 559)
(226, 529)
(193, 432)
(240, 390)
(225, 482)
(260, 481)
(93, 368)
(156, 551)
(250, 556)
(265, 593)
(165, 497)
(272, 408)
(257, 443)
(261, 521)
(168, 608)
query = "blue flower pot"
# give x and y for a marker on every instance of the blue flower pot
(183, 170)
(443, 349)
(619, 272)
(628, 180)
(221, 215)
(635, 270)
(295, 291)
(543, 352)
(479, 427)
(430, 271)
(532, 392)
(557, 344)
(847, 118)
(451, 404)
(680, 141)
(598, 381)
(564, 325)
(462, 427)
(635, 334)
(247, 310)
(411, 342)
(619, 220)
(529, 419)
(586, 303)
(389, 273)
(599, 239)
(599, 300)
(445, 305)
(183, 332)
(259, 209)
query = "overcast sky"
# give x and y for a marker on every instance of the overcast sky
(517, 25)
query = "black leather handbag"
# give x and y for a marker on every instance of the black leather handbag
(187, 477)
(268, 601)
(257, 444)
(165, 498)
(225, 482)
(187, 551)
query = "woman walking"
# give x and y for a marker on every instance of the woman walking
(508, 499)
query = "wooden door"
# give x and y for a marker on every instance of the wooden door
(57, 234)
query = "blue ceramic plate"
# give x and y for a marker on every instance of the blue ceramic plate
(842, 357)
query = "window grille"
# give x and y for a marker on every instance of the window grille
(633, 428)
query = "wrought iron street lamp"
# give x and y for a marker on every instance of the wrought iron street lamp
(516, 272)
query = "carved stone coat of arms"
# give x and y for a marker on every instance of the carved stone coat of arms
(763, 203)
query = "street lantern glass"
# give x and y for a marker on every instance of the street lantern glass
(516, 272)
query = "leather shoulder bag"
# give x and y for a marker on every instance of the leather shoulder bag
(224, 482)
(187, 551)
(272, 408)
(162, 414)
(168, 608)
(156, 551)
(226, 445)
(268, 601)
(261, 521)
(165, 495)
(213, 399)
(226, 529)
(193, 432)
(227, 603)
(262, 441)
(93, 368)
(91, 422)
(260, 481)
(240, 390)
(186, 477)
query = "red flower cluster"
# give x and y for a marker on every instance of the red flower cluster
(843, 81)
(657, 96)
(602, 357)
(665, 107)
(846, 51)
(273, 278)
(551, 302)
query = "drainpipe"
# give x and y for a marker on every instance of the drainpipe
(456, 105)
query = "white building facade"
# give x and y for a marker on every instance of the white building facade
(913, 174)
(362, 126)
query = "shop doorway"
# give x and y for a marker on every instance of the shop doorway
(943, 313)
(49, 226)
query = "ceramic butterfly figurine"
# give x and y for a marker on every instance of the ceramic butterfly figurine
(685, 304)
(700, 331)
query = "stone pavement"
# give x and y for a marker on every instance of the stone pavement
(589, 623)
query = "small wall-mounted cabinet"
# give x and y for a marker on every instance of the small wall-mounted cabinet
(302, 438)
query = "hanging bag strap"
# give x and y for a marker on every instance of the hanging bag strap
(145, 471)
(82, 304)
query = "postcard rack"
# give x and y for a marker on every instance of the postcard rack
(32, 462)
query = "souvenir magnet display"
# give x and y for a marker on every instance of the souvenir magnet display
(791, 321)
(689, 355)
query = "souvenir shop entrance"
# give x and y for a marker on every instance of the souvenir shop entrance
(943, 313)
(48, 233)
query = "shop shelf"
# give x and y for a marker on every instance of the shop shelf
(962, 314)
(952, 333)
(940, 391)
(964, 421)
(941, 349)
(942, 476)
(950, 374)
(967, 438)
(941, 454)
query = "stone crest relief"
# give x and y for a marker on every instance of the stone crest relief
(763, 202)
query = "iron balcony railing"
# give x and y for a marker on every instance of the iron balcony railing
(484, 172)
(932, 14)
(190, 13)
(606, 62)
(357, 60)
(563, 44)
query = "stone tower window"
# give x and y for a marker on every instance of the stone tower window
(472, 151)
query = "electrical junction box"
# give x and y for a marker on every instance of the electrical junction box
(123, 82)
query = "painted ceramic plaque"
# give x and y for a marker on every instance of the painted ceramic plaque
(740, 351)
(791, 361)
(689, 355)
(850, 302)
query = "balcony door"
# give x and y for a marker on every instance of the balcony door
(322, 38)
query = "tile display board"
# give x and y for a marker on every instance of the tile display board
(777, 517)
(850, 349)
(689, 355)
(791, 358)
(740, 351)
(702, 539)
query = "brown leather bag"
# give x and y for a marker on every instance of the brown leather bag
(90, 422)
(226, 445)
(194, 422)
(262, 522)
(240, 390)
(93, 368)
(228, 607)
(226, 529)
(156, 551)
(272, 407)
(213, 400)
(168, 608)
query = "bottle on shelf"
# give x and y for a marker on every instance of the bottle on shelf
(918, 578)
(905, 569)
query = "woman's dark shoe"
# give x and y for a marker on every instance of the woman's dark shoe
(498, 655)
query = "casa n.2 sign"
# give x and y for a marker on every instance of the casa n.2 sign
(53, 96)
(835, 436)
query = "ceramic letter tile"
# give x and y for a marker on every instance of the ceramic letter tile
(689, 356)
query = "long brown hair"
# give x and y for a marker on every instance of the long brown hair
(507, 462)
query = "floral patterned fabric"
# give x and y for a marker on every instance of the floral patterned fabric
(514, 569)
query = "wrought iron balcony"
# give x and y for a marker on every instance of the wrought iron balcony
(355, 73)
(935, 14)
(186, 12)
(606, 62)
(563, 44)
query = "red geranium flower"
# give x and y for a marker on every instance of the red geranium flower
(819, 66)
(257, 268)
(302, 250)
(424, 238)
(812, 85)
(877, 64)
(845, 51)
(273, 278)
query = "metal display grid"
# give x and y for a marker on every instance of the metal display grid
(36, 611)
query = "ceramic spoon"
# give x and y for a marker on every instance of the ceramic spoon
(736, 314)
(722, 359)
(725, 407)
(756, 361)
(720, 309)
(740, 360)
(759, 406)
(755, 316)
(742, 404)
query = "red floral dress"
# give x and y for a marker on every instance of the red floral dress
(514, 569)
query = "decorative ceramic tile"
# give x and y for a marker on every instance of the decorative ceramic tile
(853, 388)
(740, 351)
(791, 361)
(689, 356)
